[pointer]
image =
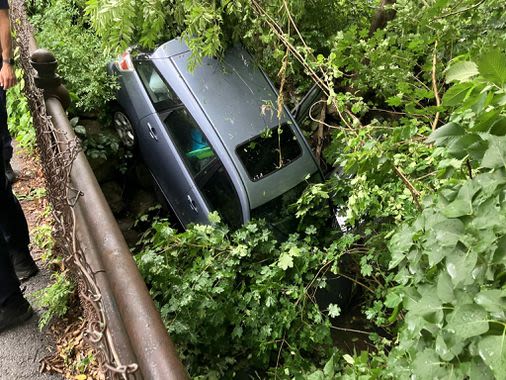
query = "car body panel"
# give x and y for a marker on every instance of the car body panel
(240, 103)
(230, 101)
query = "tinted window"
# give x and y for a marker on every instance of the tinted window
(210, 176)
(189, 139)
(220, 193)
(159, 92)
(269, 151)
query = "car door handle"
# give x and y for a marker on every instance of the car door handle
(152, 132)
(192, 203)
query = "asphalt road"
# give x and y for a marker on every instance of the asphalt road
(22, 347)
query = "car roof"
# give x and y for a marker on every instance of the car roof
(235, 95)
(240, 103)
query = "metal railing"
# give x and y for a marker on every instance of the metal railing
(122, 322)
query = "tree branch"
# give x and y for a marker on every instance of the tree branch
(434, 87)
(414, 192)
(460, 10)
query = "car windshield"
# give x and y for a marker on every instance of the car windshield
(268, 152)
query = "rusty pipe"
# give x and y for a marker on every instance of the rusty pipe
(114, 324)
(150, 341)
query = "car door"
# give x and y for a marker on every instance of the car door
(157, 147)
(212, 189)
(178, 154)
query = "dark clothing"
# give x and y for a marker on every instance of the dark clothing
(11, 215)
(9, 283)
(5, 137)
(11, 218)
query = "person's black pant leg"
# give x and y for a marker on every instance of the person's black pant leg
(13, 226)
(12, 220)
(5, 136)
(9, 283)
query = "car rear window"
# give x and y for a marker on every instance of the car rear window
(268, 152)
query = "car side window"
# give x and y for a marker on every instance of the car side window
(206, 168)
(189, 139)
(158, 90)
(220, 193)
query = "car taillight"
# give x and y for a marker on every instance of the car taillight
(124, 62)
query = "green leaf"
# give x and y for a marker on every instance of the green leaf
(492, 67)
(470, 144)
(479, 370)
(448, 232)
(445, 288)
(457, 94)
(426, 365)
(495, 156)
(442, 349)
(349, 359)
(328, 370)
(393, 299)
(468, 321)
(460, 265)
(492, 349)
(500, 252)
(317, 375)
(429, 306)
(447, 131)
(285, 261)
(494, 300)
(463, 202)
(399, 244)
(461, 71)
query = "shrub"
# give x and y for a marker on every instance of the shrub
(81, 61)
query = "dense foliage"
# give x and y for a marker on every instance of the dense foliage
(451, 260)
(242, 297)
(20, 121)
(61, 29)
(424, 217)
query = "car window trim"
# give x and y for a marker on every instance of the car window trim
(163, 104)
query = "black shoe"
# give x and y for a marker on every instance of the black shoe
(15, 311)
(10, 174)
(23, 263)
(25, 270)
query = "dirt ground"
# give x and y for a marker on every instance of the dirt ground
(22, 348)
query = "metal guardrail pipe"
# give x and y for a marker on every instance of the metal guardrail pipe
(115, 328)
(151, 344)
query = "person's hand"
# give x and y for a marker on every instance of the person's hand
(7, 77)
